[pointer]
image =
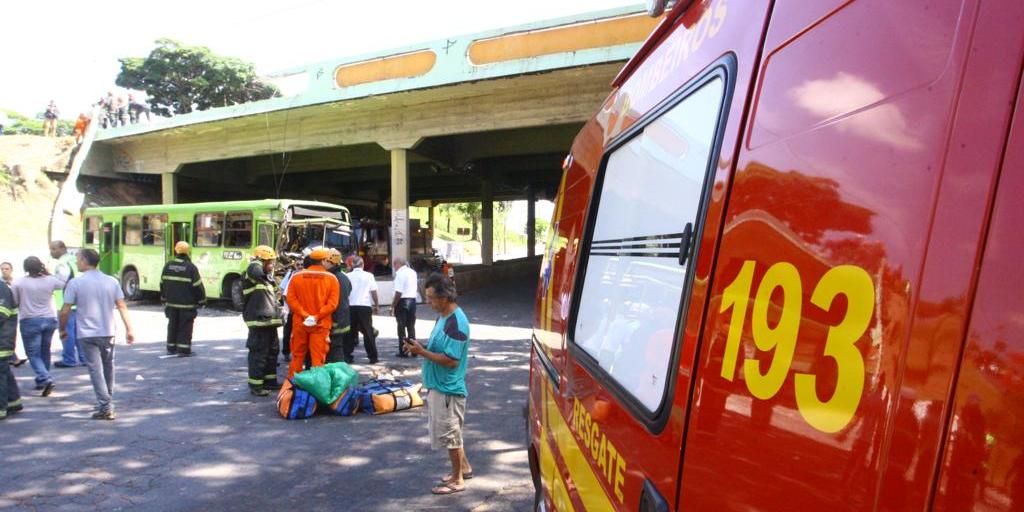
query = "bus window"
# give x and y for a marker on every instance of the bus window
(132, 230)
(153, 229)
(92, 231)
(238, 232)
(209, 229)
(339, 239)
(633, 282)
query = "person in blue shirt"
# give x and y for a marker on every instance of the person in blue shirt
(444, 375)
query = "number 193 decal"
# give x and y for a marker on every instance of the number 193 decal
(851, 281)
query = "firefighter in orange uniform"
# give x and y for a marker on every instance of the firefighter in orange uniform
(312, 298)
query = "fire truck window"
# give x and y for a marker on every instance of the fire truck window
(132, 229)
(209, 229)
(239, 230)
(633, 285)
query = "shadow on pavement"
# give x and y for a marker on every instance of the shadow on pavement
(189, 436)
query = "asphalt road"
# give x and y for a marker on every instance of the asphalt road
(189, 436)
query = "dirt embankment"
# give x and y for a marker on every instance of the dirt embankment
(31, 172)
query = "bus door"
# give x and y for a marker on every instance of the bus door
(646, 256)
(110, 247)
(179, 233)
(266, 234)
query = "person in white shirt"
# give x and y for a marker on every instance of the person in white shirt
(363, 304)
(403, 305)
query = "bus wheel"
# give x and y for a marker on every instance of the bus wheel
(130, 285)
(237, 298)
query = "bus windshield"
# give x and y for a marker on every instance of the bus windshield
(318, 232)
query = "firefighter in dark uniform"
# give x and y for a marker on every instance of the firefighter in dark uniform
(10, 396)
(182, 292)
(340, 319)
(262, 316)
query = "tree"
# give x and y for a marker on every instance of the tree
(448, 210)
(540, 228)
(180, 79)
(471, 212)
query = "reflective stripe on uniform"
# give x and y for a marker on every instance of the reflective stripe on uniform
(270, 377)
(8, 311)
(255, 287)
(180, 306)
(197, 283)
(341, 331)
(14, 403)
(256, 382)
(6, 353)
(264, 323)
(175, 278)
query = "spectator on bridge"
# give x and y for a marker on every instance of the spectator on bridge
(136, 108)
(444, 375)
(50, 120)
(81, 125)
(364, 288)
(403, 305)
(96, 295)
(37, 318)
(121, 107)
(109, 105)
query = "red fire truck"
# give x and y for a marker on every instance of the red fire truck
(784, 271)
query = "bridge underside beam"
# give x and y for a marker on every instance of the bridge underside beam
(561, 97)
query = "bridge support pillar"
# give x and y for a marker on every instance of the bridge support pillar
(399, 204)
(531, 221)
(487, 221)
(169, 188)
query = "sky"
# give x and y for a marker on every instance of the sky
(68, 51)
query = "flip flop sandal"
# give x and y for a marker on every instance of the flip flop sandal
(447, 489)
(465, 476)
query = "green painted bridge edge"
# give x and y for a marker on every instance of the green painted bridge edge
(452, 67)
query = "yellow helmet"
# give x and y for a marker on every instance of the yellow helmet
(319, 254)
(181, 247)
(264, 252)
(334, 256)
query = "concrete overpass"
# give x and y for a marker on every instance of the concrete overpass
(486, 117)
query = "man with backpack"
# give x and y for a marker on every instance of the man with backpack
(262, 316)
(72, 354)
(182, 292)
